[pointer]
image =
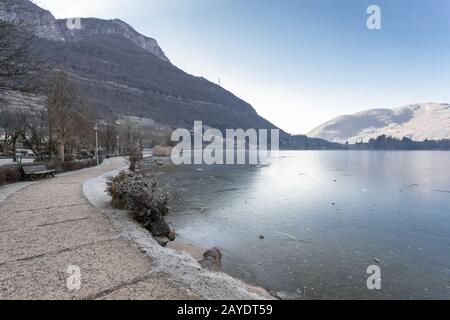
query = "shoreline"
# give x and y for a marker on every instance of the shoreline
(178, 259)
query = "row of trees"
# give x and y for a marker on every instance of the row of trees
(384, 142)
(63, 125)
(17, 67)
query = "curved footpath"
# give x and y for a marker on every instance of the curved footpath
(49, 225)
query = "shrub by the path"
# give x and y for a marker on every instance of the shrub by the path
(139, 194)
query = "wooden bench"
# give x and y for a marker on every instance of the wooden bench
(38, 170)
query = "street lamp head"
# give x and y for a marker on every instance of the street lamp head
(96, 128)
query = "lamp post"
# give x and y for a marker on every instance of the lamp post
(96, 144)
(118, 149)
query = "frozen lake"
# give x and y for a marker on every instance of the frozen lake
(325, 217)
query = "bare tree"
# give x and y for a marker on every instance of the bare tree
(70, 116)
(12, 126)
(31, 128)
(17, 60)
(5, 125)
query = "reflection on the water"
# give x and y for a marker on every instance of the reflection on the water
(324, 217)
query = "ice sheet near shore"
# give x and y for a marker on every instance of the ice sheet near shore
(179, 266)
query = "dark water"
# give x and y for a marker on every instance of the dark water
(325, 217)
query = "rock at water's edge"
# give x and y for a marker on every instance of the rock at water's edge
(163, 241)
(212, 260)
(160, 229)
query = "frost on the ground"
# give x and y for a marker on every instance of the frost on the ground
(179, 266)
(7, 190)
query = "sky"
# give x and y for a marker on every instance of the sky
(298, 63)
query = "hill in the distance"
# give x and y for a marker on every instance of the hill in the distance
(418, 122)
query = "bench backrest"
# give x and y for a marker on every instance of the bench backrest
(33, 169)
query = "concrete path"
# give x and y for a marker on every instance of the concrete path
(49, 225)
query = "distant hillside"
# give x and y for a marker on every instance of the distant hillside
(417, 122)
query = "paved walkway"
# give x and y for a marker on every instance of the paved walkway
(49, 225)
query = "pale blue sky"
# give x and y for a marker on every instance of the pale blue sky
(299, 63)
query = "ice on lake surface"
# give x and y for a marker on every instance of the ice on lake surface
(310, 226)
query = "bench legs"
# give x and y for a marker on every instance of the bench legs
(34, 176)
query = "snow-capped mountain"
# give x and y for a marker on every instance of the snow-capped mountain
(418, 122)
